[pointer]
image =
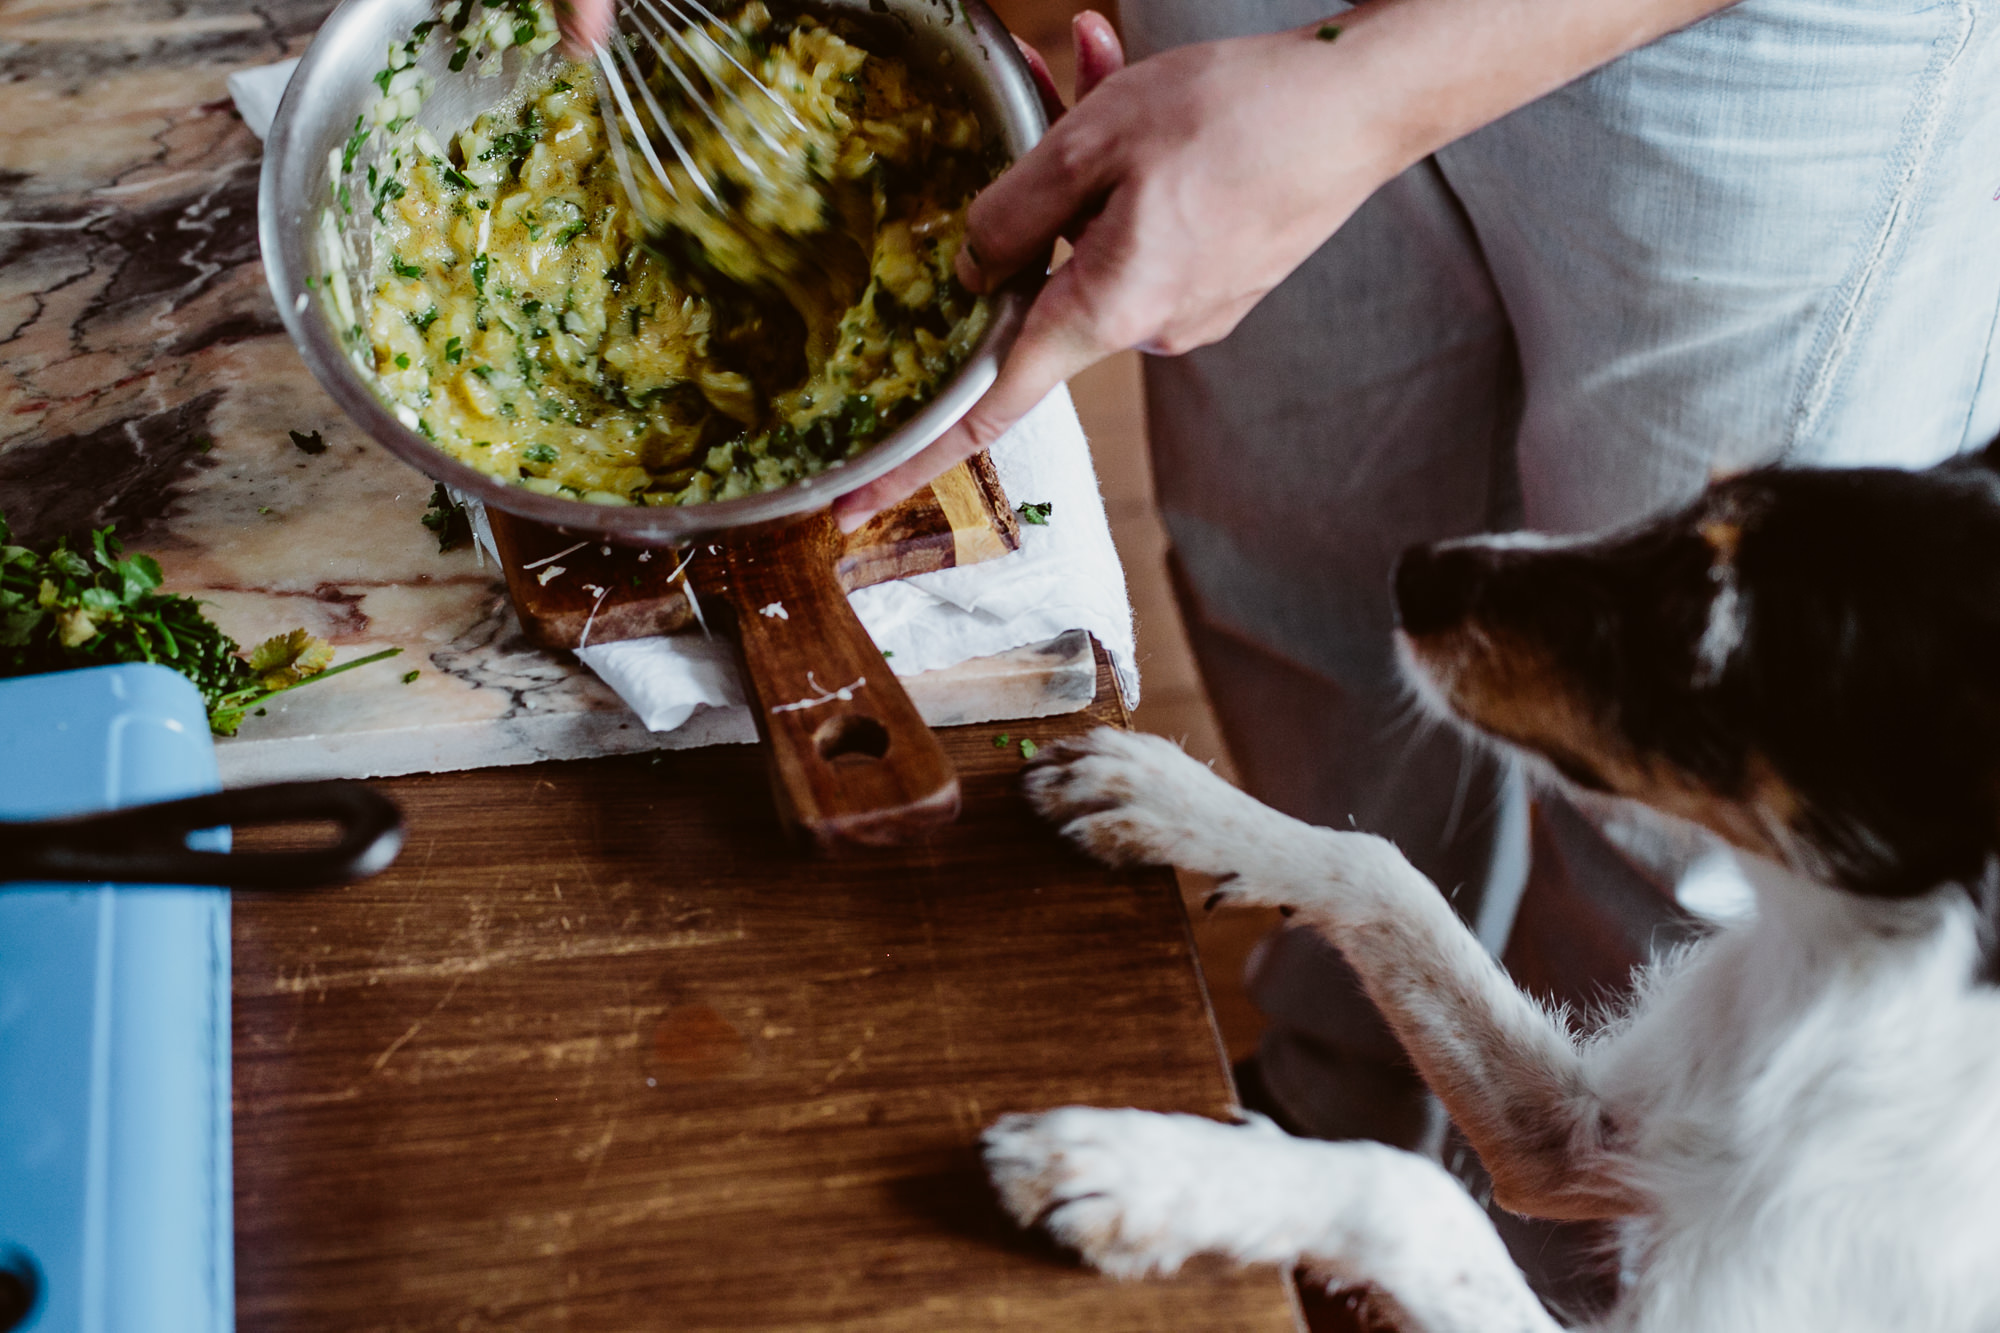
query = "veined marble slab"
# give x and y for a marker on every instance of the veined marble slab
(145, 381)
(553, 710)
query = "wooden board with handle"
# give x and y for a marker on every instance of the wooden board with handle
(605, 594)
(853, 763)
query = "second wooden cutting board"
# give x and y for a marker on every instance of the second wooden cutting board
(569, 593)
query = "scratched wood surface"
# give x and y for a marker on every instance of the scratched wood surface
(603, 1053)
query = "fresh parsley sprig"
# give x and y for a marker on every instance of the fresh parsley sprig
(288, 661)
(63, 609)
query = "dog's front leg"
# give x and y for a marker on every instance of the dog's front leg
(1509, 1075)
(1136, 1193)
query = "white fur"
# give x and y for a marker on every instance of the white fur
(1728, 623)
(1522, 539)
(1138, 1193)
(1800, 1116)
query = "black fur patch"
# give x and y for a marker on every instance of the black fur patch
(1867, 674)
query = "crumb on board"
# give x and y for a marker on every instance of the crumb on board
(845, 694)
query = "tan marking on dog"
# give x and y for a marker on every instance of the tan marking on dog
(1754, 820)
(1725, 536)
(1512, 689)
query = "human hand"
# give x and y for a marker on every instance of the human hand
(1191, 184)
(585, 24)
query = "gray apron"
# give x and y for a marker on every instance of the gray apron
(1771, 236)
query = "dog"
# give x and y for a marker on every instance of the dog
(1796, 1120)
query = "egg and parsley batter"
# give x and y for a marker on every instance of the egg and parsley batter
(535, 324)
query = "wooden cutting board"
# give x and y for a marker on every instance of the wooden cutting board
(568, 592)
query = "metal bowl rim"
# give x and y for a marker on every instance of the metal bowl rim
(640, 525)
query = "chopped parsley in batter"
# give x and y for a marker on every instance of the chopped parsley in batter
(525, 317)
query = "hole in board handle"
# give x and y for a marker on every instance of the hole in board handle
(20, 1288)
(851, 738)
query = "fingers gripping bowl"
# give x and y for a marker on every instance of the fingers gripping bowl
(833, 761)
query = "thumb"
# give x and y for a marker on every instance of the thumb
(585, 24)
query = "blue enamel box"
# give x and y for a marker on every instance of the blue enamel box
(115, 1204)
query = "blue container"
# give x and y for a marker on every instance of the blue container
(114, 1027)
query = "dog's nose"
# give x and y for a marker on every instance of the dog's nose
(1435, 587)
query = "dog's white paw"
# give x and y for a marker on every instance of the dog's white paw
(1137, 1193)
(1133, 1192)
(1132, 799)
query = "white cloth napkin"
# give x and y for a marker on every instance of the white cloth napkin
(258, 91)
(1065, 576)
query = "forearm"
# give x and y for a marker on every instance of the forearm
(1422, 73)
(1196, 181)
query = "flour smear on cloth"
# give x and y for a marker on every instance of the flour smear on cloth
(1065, 576)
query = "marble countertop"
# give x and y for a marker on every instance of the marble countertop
(146, 381)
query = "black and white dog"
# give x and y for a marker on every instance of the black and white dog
(1798, 1118)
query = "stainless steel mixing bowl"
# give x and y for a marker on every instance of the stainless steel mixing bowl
(334, 85)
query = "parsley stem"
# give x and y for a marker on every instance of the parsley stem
(385, 654)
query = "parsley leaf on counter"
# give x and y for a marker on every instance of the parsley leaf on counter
(283, 660)
(64, 609)
(1037, 515)
(447, 520)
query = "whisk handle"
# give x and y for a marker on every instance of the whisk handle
(853, 764)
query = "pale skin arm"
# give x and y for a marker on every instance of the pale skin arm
(1194, 182)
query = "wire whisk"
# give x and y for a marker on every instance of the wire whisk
(667, 66)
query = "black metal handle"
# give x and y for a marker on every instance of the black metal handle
(147, 844)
